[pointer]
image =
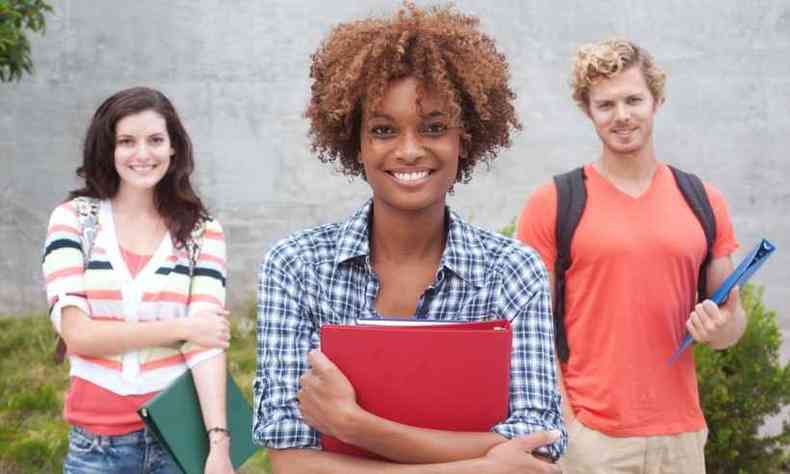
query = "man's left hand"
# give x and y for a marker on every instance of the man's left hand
(708, 321)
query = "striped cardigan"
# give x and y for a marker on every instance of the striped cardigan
(106, 291)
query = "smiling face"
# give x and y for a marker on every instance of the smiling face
(142, 150)
(410, 152)
(622, 110)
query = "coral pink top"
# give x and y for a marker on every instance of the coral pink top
(117, 285)
(99, 410)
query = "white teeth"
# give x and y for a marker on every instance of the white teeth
(411, 176)
(142, 168)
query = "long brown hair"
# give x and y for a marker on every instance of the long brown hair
(174, 197)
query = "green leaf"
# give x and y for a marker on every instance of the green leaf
(17, 18)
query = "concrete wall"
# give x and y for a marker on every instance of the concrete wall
(237, 72)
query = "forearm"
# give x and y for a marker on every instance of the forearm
(408, 444)
(89, 337)
(309, 461)
(210, 382)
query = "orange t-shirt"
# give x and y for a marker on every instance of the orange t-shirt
(630, 289)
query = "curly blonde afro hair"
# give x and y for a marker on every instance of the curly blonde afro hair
(604, 60)
(440, 47)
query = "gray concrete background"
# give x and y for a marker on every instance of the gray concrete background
(237, 72)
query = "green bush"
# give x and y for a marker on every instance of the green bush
(509, 230)
(739, 388)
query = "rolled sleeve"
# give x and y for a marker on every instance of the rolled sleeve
(63, 301)
(284, 335)
(534, 395)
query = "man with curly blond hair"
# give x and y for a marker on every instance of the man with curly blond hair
(411, 103)
(631, 279)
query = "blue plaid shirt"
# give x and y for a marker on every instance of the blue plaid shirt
(324, 276)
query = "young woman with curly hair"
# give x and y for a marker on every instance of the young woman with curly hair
(412, 103)
(135, 307)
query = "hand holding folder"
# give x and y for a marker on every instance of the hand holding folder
(442, 376)
(748, 266)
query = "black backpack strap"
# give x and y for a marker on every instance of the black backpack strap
(571, 199)
(694, 193)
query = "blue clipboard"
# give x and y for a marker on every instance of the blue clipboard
(750, 264)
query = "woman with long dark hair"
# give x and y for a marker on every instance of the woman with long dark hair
(135, 273)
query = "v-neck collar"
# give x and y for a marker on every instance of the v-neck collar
(112, 246)
(590, 170)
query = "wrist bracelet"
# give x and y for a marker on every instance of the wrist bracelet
(218, 429)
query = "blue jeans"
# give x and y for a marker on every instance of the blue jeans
(134, 453)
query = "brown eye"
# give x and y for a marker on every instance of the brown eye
(435, 129)
(382, 131)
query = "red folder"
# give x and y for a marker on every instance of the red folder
(448, 377)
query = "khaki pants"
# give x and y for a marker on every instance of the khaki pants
(592, 452)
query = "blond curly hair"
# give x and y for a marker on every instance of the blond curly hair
(604, 60)
(440, 47)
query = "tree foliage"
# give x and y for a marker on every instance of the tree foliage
(17, 19)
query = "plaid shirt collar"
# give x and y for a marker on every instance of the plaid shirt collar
(463, 254)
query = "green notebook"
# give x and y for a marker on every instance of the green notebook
(175, 418)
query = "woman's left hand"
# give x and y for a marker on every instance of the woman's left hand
(327, 400)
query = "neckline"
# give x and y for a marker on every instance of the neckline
(114, 250)
(125, 251)
(592, 171)
(134, 261)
